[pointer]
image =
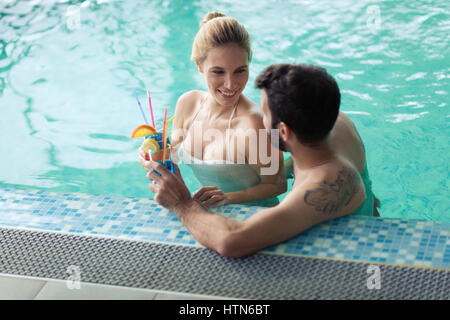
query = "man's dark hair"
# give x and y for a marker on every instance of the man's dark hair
(305, 97)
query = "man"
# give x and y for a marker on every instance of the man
(329, 165)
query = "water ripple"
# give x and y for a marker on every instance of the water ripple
(418, 75)
(400, 117)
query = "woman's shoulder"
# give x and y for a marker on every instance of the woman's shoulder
(187, 101)
(251, 115)
(190, 97)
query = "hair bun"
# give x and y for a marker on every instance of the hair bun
(211, 15)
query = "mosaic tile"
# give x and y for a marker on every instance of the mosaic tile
(392, 241)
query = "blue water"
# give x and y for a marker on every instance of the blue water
(68, 70)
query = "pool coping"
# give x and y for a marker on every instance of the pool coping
(364, 241)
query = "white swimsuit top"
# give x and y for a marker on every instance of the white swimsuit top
(224, 174)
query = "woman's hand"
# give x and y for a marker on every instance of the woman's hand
(210, 197)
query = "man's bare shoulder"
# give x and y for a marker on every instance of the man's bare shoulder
(343, 122)
(328, 191)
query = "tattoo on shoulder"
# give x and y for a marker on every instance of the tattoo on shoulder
(329, 198)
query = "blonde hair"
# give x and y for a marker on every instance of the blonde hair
(216, 30)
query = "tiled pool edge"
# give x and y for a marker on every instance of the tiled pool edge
(371, 240)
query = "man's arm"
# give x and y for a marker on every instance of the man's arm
(227, 236)
(271, 226)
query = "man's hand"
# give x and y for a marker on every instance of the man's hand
(170, 190)
(142, 154)
(210, 197)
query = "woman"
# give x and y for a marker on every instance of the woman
(222, 53)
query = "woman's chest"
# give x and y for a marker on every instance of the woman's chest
(215, 142)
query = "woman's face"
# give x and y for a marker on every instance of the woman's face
(226, 73)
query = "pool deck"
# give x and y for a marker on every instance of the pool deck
(131, 248)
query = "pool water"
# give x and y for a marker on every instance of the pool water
(68, 70)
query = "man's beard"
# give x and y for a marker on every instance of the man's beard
(278, 143)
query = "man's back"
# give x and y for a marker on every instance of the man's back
(347, 143)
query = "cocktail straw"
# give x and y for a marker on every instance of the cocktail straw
(168, 121)
(151, 109)
(164, 137)
(140, 107)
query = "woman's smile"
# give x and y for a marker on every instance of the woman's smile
(227, 94)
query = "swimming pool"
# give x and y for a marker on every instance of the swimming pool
(68, 71)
